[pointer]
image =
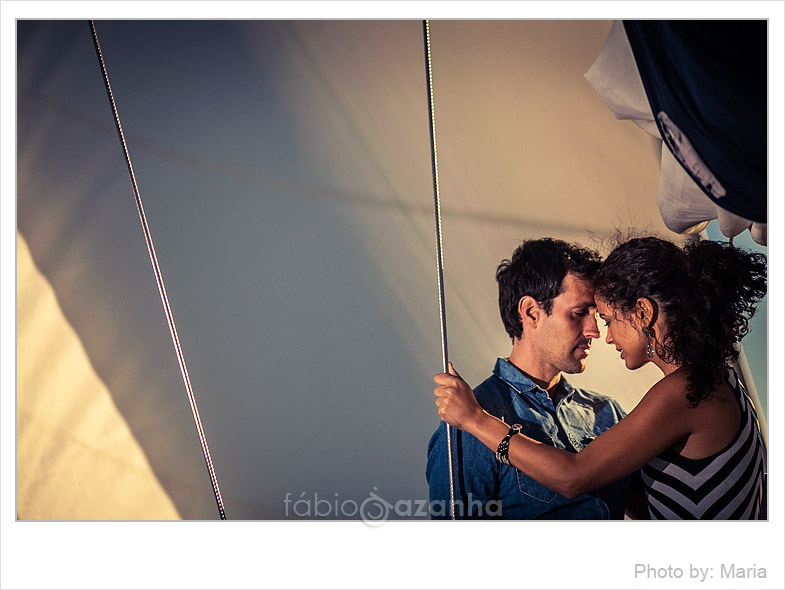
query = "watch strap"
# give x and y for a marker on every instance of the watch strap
(502, 453)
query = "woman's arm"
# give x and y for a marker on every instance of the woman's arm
(659, 420)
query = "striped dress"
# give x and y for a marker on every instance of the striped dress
(728, 485)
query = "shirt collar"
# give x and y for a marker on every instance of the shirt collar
(519, 381)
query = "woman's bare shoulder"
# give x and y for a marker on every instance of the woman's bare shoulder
(667, 397)
(672, 387)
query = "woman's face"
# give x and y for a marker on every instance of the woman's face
(624, 333)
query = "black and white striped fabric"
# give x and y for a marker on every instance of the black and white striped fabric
(725, 486)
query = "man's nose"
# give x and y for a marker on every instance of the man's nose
(591, 330)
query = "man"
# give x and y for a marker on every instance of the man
(546, 300)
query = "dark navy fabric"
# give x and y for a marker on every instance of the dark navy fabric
(709, 78)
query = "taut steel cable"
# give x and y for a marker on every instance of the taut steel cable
(160, 281)
(439, 249)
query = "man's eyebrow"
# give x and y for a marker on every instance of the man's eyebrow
(585, 305)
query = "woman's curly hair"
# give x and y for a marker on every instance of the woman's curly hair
(707, 290)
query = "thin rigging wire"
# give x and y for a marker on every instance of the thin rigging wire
(160, 282)
(439, 249)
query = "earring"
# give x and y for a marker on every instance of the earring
(649, 347)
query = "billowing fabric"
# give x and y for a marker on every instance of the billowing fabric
(684, 205)
(706, 85)
(76, 455)
(485, 488)
(725, 486)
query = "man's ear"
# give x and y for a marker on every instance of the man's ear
(529, 311)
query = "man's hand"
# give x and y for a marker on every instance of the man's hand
(455, 400)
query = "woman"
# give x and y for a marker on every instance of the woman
(694, 435)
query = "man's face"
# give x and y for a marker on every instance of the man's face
(565, 336)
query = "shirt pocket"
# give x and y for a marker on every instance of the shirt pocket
(582, 441)
(530, 488)
(526, 485)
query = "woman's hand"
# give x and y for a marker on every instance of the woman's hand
(455, 400)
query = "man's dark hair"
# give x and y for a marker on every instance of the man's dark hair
(537, 268)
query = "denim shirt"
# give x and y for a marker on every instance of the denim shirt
(485, 488)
